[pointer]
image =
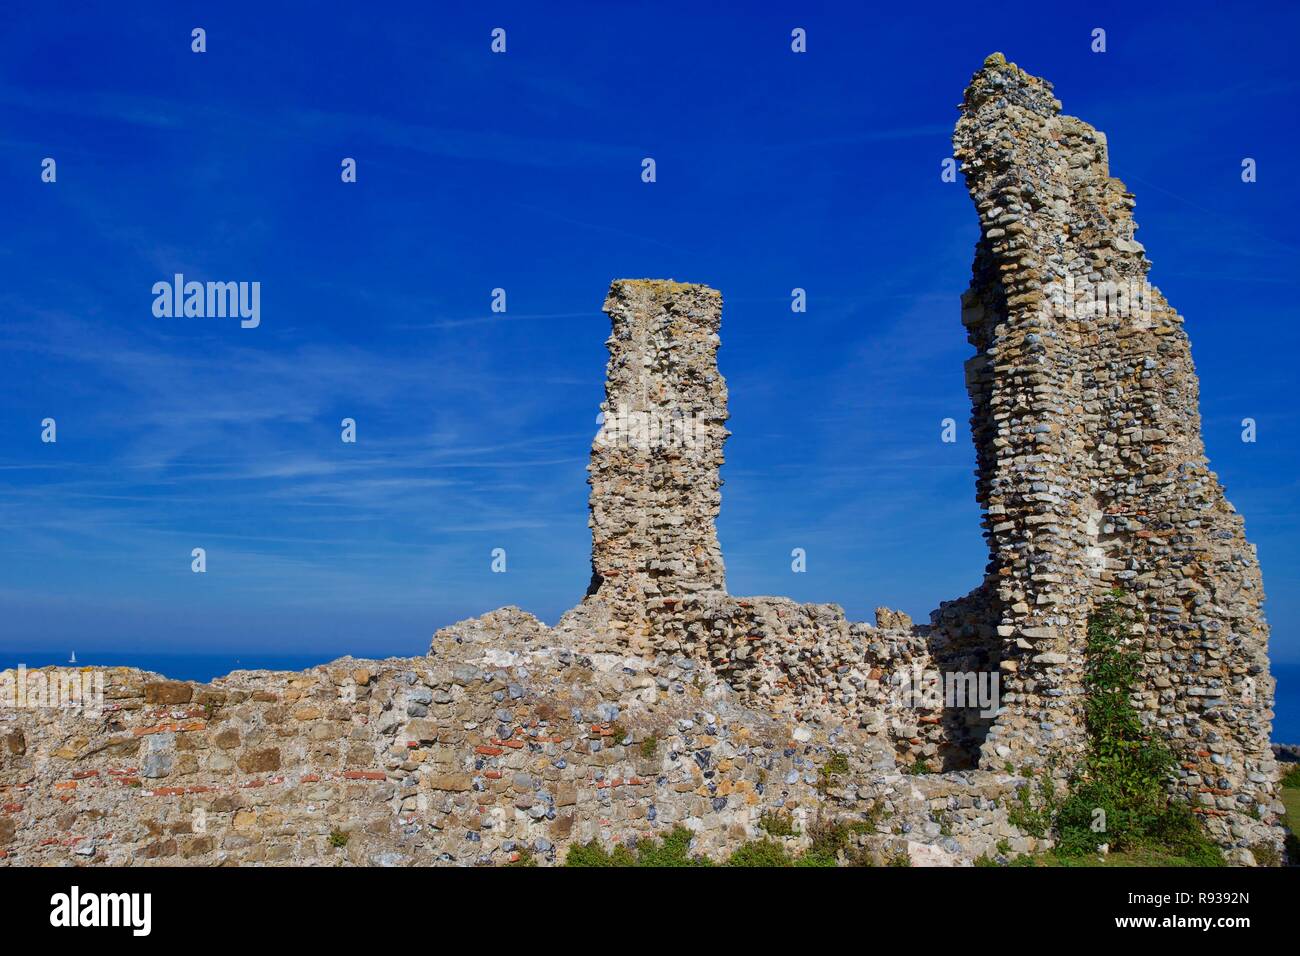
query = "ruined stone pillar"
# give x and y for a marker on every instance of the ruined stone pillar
(1091, 468)
(1023, 385)
(654, 472)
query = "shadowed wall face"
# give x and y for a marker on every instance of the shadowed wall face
(654, 472)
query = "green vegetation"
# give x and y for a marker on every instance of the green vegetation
(829, 841)
(1118, 794)
(1290, 795)
(871, 819)
(593, 854)
(649, 746)
(673, 850)
(525, 858)
(338, 838)
(760, 853)
(836, 766)
(1035, 808)
(1266, 854)
(776, 824)
(1143, 856)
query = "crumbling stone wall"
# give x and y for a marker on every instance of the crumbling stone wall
(658, 583)
(1092, 471)
(498, 747)
(655, 463)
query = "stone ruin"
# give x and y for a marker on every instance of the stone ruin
(1092, 477)
(663, 700)
(1091, 469)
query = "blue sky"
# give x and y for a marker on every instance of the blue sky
(522, 171)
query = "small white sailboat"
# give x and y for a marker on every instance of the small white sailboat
(73, 658)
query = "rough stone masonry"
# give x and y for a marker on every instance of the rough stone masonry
(663, 700)
(1092, 471)
(655, 471)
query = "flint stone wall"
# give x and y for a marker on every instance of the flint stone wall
(655, 463)
(497, 746)
(1092, 470)
(658, 579)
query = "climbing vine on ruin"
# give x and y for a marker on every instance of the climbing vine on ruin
(1119, 795)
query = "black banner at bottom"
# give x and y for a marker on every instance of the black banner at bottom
(344, 905)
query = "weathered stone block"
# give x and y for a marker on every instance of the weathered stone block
(260, 761)
(168, 692)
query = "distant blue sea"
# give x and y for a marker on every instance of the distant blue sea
(1286, 705)
(204, 667)
(196, 667)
